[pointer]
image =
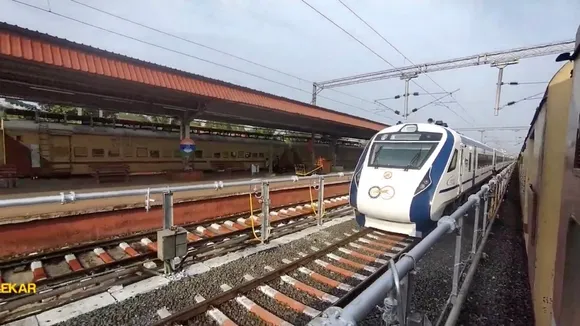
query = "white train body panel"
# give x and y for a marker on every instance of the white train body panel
(408, 174)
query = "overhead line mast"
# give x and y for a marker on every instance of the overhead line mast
(498, 59)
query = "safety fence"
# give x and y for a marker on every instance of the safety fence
(259, 188)
(392, 292)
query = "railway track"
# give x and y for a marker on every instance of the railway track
(303, 286)
(70, 274)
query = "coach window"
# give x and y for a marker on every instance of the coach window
(98, 152)
(80, 152)
(453, 164)
(154, 153)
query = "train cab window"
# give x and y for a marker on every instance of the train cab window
(154, 153)
(98, 152)
(80, 151)
(401, 155)
(453, 163)
(217, 155)
(198, 154)
(115, 152)
(142, 152)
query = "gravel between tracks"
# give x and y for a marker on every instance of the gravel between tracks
(500, 283)
(141, 310)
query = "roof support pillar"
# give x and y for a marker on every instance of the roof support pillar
(185, 133)
(333, 148)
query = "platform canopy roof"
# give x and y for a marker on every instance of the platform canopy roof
(39, 67)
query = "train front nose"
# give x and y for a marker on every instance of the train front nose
(389, 199)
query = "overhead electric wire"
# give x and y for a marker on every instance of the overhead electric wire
(187, 54)
(214, 49)
(523, 83)
(531, 97)
(406, 58)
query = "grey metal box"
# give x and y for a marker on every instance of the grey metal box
(171, 243)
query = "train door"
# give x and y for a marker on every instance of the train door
(61, 154)
(474, 167)
(461, 167)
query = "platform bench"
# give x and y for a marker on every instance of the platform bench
(8, 175)
(111, 171)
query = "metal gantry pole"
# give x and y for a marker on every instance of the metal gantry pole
(406, 107)
(265, 227)
(314, 93)
(501, 67)
(320, 200)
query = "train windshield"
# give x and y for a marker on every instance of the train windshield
(403, 155)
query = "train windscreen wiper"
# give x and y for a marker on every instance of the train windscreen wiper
(413, 161)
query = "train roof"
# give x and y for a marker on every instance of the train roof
(434, 127)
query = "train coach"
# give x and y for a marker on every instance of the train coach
(409, 175)
(52, 148)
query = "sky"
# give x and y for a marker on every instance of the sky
(291, 37)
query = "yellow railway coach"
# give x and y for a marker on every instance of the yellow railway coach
(54, 147)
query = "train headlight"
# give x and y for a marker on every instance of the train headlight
(425, 183)
(374, 192)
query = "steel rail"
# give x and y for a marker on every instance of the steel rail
(196, 248)
(359, 308)
(228, 246)
(223, 297)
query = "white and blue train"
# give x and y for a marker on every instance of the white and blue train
(410, 174)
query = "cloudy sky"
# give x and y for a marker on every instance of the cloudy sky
(291, 37)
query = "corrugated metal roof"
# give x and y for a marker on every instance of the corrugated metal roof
(45, 49)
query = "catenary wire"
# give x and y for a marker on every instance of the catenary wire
(406, 58)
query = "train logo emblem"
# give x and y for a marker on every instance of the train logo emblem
(388, 175)
(187, 146)
(386, 192)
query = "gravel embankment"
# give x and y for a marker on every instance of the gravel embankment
(141, 310)
(500, 291)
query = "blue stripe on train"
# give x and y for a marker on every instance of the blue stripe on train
(353, 191)
(420, 211)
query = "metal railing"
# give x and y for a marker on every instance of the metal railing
(393, 287)
(259, 188)
(70, 197)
